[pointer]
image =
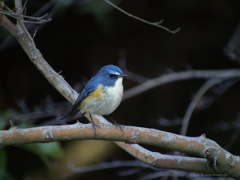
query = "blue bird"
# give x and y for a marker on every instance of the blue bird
(101, 95)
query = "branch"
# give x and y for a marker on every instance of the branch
(31, 19)
(226, 163)
(1, 15)
(131, 166)
(205, 87)
(157, 24)
(180, 76)
(105, 166)
(18, 13)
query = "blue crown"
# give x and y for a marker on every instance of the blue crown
(111, 69)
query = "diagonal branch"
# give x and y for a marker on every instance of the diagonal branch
(209, 84)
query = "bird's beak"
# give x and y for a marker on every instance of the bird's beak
(123, 75)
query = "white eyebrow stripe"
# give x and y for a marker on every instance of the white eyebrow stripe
(116, 73)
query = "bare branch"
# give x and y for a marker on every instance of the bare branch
(104, 166)
(180, 76)
(157, 24)
(209, 84)
(226, 163)
(1, 14)
(19, 10)
(9, 26)
(27, 19)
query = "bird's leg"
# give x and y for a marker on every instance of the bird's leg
(93, 121)
(93, 124)
(115, 123)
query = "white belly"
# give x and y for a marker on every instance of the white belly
(108, 103)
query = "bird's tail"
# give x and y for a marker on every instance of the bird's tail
(70, 114)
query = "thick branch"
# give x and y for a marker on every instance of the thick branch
(226, 163)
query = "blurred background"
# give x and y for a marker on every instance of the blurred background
(85, 35)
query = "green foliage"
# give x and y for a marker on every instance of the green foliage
(44, 151)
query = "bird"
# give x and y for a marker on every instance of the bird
(101, 95)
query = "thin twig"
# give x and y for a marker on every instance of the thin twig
(209, 84)
(20, 21)
(9, 40)
(1, 14)
(157, 24)
(103, 166)
(19, 10)
(205, 87)
(180, 76)
(30, 19)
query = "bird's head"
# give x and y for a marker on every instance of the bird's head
(109, 75)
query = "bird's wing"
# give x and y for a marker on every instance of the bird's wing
(90, 87)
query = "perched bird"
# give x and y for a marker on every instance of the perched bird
(101, 95)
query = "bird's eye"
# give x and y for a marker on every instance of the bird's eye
(112, 75)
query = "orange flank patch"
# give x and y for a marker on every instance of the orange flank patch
(97, 93)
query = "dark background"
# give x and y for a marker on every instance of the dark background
(85, 35)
